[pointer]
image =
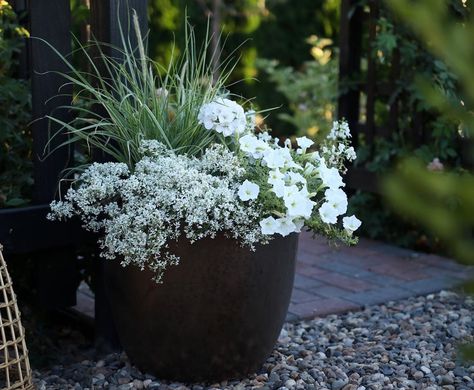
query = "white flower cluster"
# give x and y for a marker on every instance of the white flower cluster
(337, 150)
(224, 116)
(289, 173)
(167, 196)
(249, 188)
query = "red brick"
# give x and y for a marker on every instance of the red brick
(300, 296)
(308, 270)
(345, 282)
(402, 270)
(330, 291)
(305, 282)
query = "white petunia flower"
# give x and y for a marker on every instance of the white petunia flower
(290, 191)
(294, 178)
(351, 224)
(328, 213)
(248, 143)
(309, 169)
(304, 143)
(275, 176)
(337, 198)
(299, 206)
(269, 225)
(278, 187)
(248, 191)
(299, 223)
(330, 176)
(274, 158)
(285, 226)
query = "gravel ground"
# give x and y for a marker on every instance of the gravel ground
(410, 344)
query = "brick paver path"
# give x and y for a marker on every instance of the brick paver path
(338, 279)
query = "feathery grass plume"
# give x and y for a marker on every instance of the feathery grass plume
(142, 99)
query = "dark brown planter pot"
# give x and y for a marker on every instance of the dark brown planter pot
(217, 314)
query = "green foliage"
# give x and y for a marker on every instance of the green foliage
(274, 29)
(15, 139)
(443, 202)
(311, 91)
(440, 139)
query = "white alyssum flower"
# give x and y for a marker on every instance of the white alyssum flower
(248, 191)
(351, 224)
(265, 137)
(224, 116)
(166, 197)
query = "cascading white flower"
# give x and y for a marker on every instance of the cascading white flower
(330, 177)
(303, 143)
(285, 226)
(351, 224)
(328, 213)
(337, 198)
(248, 191)
(269, 226)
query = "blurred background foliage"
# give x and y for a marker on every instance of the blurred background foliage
(440, 144)
(290, 59)
(15, 138)
(442, 201)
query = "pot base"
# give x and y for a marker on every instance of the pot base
(217, 314)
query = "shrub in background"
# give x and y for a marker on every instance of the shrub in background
(15, 138)
(441, 146)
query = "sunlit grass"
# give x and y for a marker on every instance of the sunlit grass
(127, 99)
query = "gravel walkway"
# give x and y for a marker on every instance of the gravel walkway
(410, 344)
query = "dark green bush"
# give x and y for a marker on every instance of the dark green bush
(15, 113)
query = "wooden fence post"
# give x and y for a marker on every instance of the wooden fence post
(350, 37)
(50, 21)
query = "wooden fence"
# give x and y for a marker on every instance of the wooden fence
(53, 245)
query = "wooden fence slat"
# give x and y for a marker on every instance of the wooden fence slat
(350, 36)
(51, 21)
(371, 75)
